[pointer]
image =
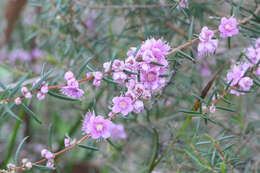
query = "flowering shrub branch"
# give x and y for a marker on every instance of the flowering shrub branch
(144, 74)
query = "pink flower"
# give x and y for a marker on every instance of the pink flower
(236, 73)
(117, 132)
(45, 89)
(119, 77)
(245, 83)
(25, 92)
(150, 79)
(97, 126)
(75, 93)
(85, 126)
(106, 66)
(253, 54)
(228, 27)
(183, 3)
(257, 71)
(67, 142)
(118, 65)
(212, 109)
(50, 164)
(207, 44)
(138, 106)
(97, 78)
(18, 101)
(40, 96)
(72, 89)
(131, 51)
(47, 154)
(122, 105)
(68, 76)
(153, 49)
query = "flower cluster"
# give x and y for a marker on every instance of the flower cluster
(23, 55)
(236, 78)
(72, 88)
(43, 89)
(49, 156)
(26, 163)
(98, 127)
(207, 45)
(143, 73)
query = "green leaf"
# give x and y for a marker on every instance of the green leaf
(225, 109)
(129, 72)
(158, 64)
(32, 114)
(190, 112)
(62, 97)
(2, 85)
(19, 149)
(184, 55)
(10, 112)
(191, 28)
(110, 81)
(88, 147)
(43, 168)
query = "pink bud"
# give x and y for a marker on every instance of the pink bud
(24, 90)
(45, 89)
(28, 165)
(18, 101)
(50, 164)
(67, 142)
(212, 109)
(68, 75)
(44, 152)
(49, 155)
(28, 95)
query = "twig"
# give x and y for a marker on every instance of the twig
(220, 152)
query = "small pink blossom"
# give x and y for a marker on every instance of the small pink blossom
(18, 101)
(75, 93)
(25, 92)
(106, 66)
(50, 164)
(253, 54)
(138, 106)
(207, 45)
(122, 105)
(257, 71)
(183, 3)
(45, 89)
(67, 142)
(119, 77)
(68, 76)
(40, 96)
(212, 109)
(118, 65)
(228, 27)
(97, 126)
(245, 83)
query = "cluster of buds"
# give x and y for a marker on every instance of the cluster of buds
(49, 156)
(27, 164)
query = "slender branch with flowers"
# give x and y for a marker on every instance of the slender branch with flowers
(143, 75)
